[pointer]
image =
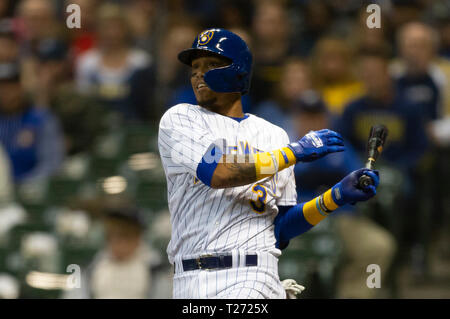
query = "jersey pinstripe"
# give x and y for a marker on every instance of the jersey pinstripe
(206, 220)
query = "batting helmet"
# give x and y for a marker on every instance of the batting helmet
(231, 78)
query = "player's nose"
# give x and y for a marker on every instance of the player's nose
(202, 68)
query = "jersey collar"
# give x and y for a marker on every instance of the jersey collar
(239, 119)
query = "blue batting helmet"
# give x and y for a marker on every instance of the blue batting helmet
(231, 78)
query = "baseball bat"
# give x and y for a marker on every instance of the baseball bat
(375, 144)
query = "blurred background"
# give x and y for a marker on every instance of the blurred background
(81, 181)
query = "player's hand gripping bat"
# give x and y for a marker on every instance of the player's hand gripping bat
(377, 138)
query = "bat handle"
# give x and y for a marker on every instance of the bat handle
(365, 180)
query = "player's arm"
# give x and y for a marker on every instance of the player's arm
(238, 170)
(293, 221)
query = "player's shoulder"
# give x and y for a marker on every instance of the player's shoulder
(269, 126)
(181, 109)
(178, 111)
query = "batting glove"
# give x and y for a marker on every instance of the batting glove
(292, 288)
(317, 144)
(348, 190)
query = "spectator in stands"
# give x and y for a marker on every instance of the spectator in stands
(39, 18)
(234, 13)
(6, 187)
(50, 69)
(143, 16)
(271, 34)
(317, 19)
(405, 11)
(203, 11)
(172, 76)
(364, 241)
(295, 81)
(125, 268)
(371, 38)
(425, 80)
(4, 8)
(419, 79)
(121, 76)
(333, 73)
(82, 116)
(31, 136)
(84, 38)
(11, 212)
(38, 21)
(407, 140)
(384, 103)
(7, 8)
(445, 38)
(10, 49)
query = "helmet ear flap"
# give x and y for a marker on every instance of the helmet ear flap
(242, 75)
(226, 79)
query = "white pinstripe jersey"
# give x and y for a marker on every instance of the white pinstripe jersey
(206, 220)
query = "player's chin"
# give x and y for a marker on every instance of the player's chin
(203, 93)
(206, 100)
(209, 104)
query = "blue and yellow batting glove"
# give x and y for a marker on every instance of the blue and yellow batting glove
(317, 144)
(347, 191)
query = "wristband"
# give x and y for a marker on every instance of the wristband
(319, 208)
(328, 200)
(322, 205)
(269, 163)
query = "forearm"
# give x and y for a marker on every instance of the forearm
(300, 218)
(238, 170)
(234, 170)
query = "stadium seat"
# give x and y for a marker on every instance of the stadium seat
(151, 195)
(313, 259)
(81, 256)
(139, 138)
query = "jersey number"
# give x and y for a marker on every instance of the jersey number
(259, 205)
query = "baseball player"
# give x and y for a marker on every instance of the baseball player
(231, 187)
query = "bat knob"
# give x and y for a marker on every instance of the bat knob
(364, 181)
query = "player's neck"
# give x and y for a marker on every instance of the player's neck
(233, 109)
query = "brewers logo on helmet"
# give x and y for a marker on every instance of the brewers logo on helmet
(205, 36)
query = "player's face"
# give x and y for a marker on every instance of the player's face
(204, 95)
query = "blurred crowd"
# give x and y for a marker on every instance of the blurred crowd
(79, 110)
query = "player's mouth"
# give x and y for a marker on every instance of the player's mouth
(201, 86)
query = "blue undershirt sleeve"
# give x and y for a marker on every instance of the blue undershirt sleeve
(289, 223)
(207, 166)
